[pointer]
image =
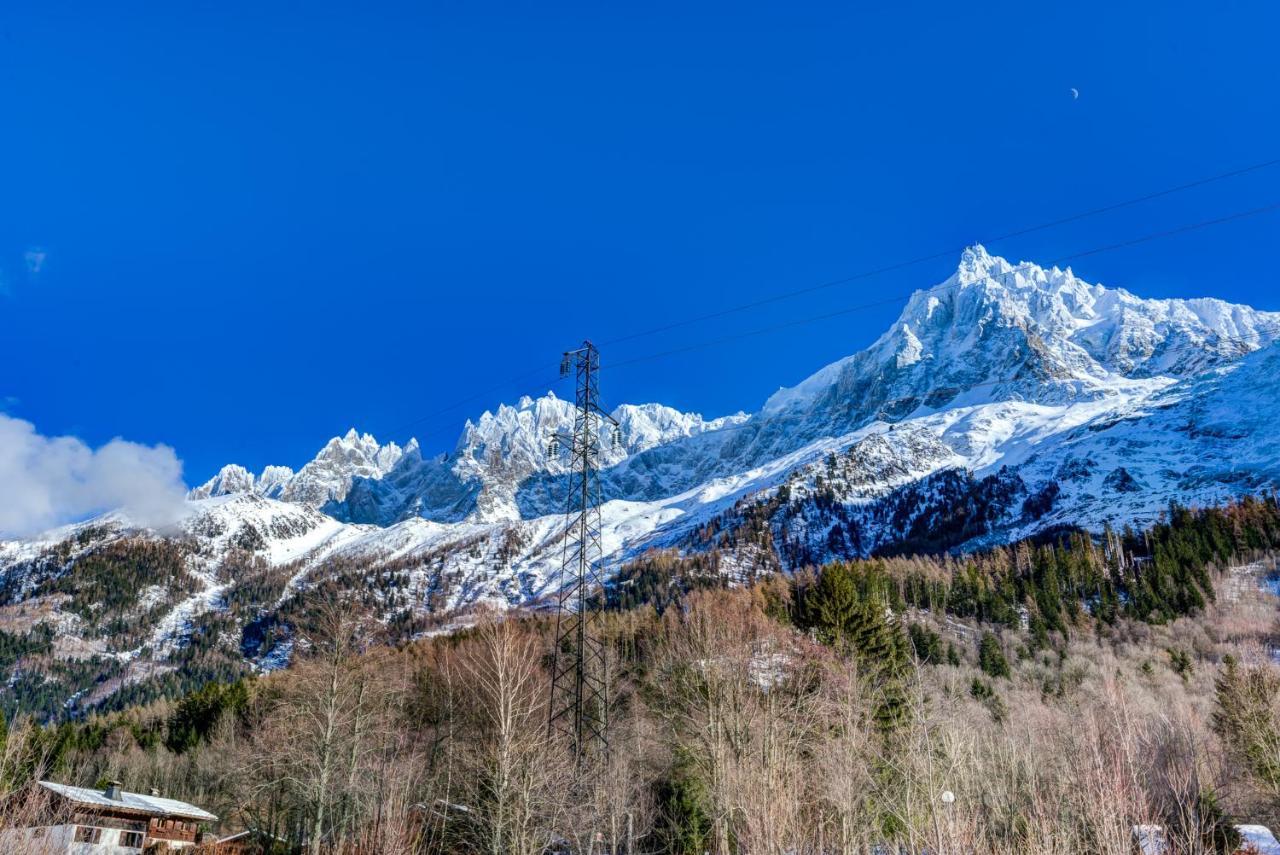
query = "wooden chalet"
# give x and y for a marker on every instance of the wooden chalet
(52, 818)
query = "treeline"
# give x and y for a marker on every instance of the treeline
(1152, 576)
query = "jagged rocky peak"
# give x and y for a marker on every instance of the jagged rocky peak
(526, 428)
(326, 478)
(1000, 329)
(272, 481)
(358, 449)
(645, 426)
(356, 479)
(1124, 334)
(527, 425)
(343, 459)
(234, 478)
(501, 450)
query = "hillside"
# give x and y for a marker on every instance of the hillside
(1062, 694)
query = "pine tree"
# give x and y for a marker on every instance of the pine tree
(1243, 716)
(832, 605)
(926, 643)
(848, 608)
(991, 658)
(683, 826)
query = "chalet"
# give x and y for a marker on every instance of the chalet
(59, 819)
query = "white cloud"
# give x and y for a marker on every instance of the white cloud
(47, 481)
(35, 259)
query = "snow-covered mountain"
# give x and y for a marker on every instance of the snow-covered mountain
(992, 332)
(355, 479)
(324, 480)
(1006, 400)
(996, 331)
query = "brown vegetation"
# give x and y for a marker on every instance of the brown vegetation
(733, 731)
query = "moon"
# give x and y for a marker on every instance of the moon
(1075, 93)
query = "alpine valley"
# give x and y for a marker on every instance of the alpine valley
(1009, 401)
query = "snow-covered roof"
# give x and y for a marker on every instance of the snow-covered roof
(1260, 838)
(152, 805)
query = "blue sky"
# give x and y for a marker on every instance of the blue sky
(240, 229)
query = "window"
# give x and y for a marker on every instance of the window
(132, 839)
(88, 834)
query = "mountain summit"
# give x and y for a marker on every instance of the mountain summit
(995, 330)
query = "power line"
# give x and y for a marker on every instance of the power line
(476, 395)
(899, 298)
(1247, 346)
(943, 391)
(835, 282)
(949, 252)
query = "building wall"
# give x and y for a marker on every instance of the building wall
(60, 840)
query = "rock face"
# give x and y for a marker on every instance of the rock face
(1008, 399)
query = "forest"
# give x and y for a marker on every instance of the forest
(1041, 697)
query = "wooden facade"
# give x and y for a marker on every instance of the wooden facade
(60, 818)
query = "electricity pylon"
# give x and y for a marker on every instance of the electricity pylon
(579, 697)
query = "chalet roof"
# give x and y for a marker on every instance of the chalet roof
(134, 802)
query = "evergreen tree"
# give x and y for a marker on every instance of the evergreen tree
(201, 711)
(847, 608)
(926, 643)
(683, 826)
(1244, 716)
(991, 658)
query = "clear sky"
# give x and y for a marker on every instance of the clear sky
(241, 228)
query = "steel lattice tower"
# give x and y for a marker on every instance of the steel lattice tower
(579, 698)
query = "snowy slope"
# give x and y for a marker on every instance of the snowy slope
(1202, 440)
